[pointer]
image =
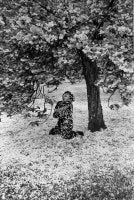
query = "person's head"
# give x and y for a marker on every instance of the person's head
(68, 96)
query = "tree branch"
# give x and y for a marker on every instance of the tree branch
(47, 8)
(112, 95)
(102, 22)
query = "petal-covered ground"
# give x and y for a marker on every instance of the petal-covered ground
(40, 158)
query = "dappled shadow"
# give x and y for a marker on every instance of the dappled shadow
(94, 185)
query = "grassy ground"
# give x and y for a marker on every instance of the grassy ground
(98, 166)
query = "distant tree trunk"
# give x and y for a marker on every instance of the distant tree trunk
(95, 114)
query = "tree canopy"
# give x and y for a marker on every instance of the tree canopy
(40, 43)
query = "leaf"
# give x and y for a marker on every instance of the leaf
(46, 39)
(50, 24)
(1, 21)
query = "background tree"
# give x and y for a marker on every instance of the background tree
(46, 42)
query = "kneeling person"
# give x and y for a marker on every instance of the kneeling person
(64, 112)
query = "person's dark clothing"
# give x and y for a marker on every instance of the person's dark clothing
(65, 121)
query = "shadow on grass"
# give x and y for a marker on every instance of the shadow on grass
(113, 185)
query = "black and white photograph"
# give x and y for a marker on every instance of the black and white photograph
(66, 99)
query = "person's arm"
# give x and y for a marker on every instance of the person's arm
(68, 111)
(59, 110)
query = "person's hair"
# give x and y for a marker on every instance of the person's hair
(72, 98)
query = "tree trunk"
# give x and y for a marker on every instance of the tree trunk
(95, 114)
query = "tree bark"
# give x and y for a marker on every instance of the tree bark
(95, 113)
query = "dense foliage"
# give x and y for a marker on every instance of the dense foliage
(40, 43)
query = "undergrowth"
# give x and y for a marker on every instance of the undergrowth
(111, 185)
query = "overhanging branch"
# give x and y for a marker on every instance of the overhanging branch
(109, 7)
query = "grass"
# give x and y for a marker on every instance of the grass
(98, 166)
(111, 185)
